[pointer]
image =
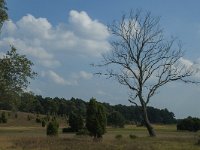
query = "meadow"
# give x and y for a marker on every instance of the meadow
(21, 134)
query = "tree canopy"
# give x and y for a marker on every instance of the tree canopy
(3, 12)
(96, 119)
(15, 72)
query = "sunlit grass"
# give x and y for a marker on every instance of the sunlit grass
(34, 138)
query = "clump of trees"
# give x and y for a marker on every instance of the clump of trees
(96, 119)
(76, 122)
(190, 124)
(59, 106)
(116, 119)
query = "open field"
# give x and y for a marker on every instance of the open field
(34, 138)
(22, 134)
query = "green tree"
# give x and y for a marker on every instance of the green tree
(3, 117)
(75, 121)
(3, 12)
(52, 128)
(116, 119)
(15, 72)
(96, 119)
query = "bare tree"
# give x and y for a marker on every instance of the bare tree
(143, 60)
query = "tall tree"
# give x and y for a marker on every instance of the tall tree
(3, 12)
(96, 119)
(76, 121)
(143, 60)
(15, 72)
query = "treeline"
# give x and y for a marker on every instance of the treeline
(60, 106)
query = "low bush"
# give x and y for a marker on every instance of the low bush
(43, 123)
(3, 118)
(190, 124)
(83, 132)
(132, 136)
(38, 120)
(16, 115)
(52, 128)
(119, 136)
(67, 130)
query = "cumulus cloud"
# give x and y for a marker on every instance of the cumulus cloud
(72, 80)
(38, 38)
(56, 78)
(86, 27)
(187, 63)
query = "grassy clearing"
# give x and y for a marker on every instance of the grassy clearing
(34, 138)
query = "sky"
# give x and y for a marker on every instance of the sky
(62, 38)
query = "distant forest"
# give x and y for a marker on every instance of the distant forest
(60, 106)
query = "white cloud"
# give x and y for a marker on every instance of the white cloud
(86, 27)
(72, 80)
(57, 78)
(187, 63)
(38, 38)
(2, 55)
(85, 75)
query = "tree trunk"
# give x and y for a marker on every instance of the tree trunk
(148, 125)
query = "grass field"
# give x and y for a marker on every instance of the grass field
(27, 135)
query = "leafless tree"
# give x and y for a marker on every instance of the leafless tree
(143, 60)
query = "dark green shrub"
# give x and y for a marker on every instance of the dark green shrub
(116, 119)
(83, 132)
(96, 119)
(67, 130)
(38, 120)
(52, 128)
(29, 117)
(119, 136)
(43, 123)
(198, 141)
(3, 117)
(190, 124)
(75, 122)
(16, 115)
(132, 136)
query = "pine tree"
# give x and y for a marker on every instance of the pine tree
(96, 119)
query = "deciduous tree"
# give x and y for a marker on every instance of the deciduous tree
(143, 60)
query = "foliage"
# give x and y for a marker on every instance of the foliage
(15, 72)
(3, 12)
(116, 119)
(75, 121)
(52, 128)
(63, 107)
(3, 118)
(43, 123)
(96, 119)
(16, 115)
(83, 132)
(132, 136)
(38, 120)
(190, 124)
(118, 136)
(67, 130)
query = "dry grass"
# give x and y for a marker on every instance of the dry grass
(20, 134)
(34, 138)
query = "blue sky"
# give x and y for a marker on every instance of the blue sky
(64, 37)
